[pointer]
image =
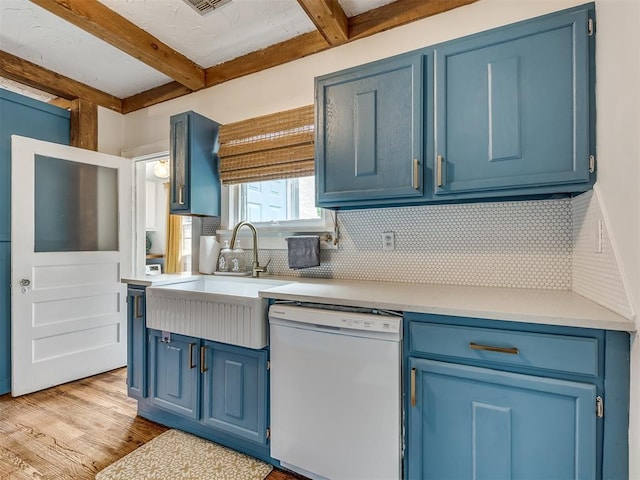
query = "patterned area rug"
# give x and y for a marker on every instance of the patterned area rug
(179, 455)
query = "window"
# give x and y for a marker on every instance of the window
(279, 200)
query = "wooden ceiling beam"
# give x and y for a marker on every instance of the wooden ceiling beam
(278, 54)
(27, 73)
(369, 23)
(398, 13)
(154, 96)
(84, 125)
(95, 18)
(60, 102)
(329, 18)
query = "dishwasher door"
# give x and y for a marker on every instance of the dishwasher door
(335, 401)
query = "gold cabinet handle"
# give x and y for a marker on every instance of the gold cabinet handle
(439, 162)
(415, 178)
(413, 387)
(181, 194)
(491, 348)
(191, 364)
(137, 310)
(203, 359)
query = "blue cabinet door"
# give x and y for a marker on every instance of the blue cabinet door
(235, 391)
(174, 373)
(512, 109)
(470, 422)
(369, 134)
(195, 180)
(136, 343)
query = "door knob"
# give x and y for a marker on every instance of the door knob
(25, 282)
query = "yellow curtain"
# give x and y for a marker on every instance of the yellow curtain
(173, 259)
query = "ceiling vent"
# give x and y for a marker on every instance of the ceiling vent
(205, 7)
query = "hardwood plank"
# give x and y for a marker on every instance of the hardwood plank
(27, 73)
(73, 431)
(329, 18)
(84, 125)
(95, 18)
(398, 13)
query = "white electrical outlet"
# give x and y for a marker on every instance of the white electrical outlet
(388, 241)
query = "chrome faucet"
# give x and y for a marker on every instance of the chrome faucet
(257, 269)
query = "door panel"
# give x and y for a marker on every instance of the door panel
(512, 107)
(235, 391)
(174, 374)
(471, 422)
(71, 244)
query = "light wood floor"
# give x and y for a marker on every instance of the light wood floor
(73, 431)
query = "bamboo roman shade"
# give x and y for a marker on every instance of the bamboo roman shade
(279, 145)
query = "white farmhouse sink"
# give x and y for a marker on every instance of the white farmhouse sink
(222, 309)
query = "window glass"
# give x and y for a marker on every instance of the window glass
(279, 200)
(76, 206)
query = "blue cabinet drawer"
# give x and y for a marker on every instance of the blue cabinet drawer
(561, 353)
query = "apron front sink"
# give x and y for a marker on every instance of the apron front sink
(222, 309)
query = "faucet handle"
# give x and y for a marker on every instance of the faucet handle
(258, 269)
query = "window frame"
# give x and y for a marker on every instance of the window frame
(272, 234)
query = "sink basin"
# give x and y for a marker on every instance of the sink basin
(222, 309)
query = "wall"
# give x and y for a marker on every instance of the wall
(618, 104)
(618, 137)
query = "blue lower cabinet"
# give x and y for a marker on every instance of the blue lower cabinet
(213, 390)
(471, 422)
(136, 342)
(174, 376)
(494, 399)
(234, 391)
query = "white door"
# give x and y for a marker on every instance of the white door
(70, 245)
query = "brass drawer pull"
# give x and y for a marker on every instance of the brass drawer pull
(191, 364)
(413, 387)
(491, 348)
(415, 177)
(181, 194)
(203, 359)
(439, 162)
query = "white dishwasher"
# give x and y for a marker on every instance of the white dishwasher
(335, 393)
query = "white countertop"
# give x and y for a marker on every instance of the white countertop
(550, 307)
(161, 279)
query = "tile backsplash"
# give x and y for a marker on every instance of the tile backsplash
(595, 274)
(546, 244)
(506, 244)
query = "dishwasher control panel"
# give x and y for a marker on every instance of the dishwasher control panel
(337, 318)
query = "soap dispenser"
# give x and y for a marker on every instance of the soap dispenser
(237, 259)
(224, 258)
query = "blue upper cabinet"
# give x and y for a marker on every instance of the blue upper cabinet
(512, 109)
(503, 113)
(369, 134)
(195, 177)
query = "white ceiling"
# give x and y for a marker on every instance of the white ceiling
(235, 29)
